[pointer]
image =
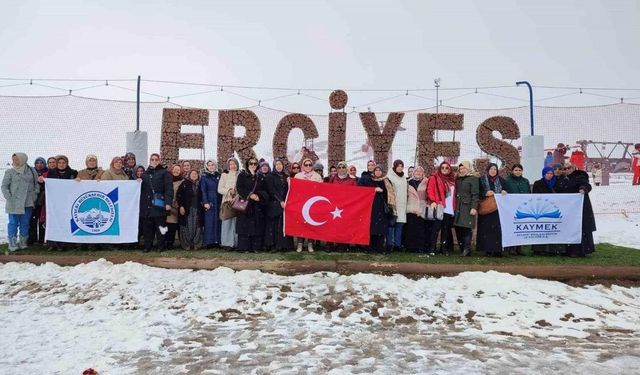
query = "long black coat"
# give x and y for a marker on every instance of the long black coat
(189, 195)
(380, 211)
(277, 187)
(572, 184)
(155, 180)
(252, 222)
(65, 174)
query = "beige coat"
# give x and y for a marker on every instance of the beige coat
(227, 183)
(114, 175)
(400, 189)
(314, 177)
(173, 214)
(417, 199)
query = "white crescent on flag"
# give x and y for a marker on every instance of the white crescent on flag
(307, 207)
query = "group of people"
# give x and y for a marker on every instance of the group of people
(195, 208)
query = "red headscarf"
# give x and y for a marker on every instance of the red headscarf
(447, 180)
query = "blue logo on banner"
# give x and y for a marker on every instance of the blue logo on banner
(95, 214)
(539, 208)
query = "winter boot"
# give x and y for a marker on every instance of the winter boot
(310, 247)
(23, 242)
(13, 244)
(443, 249)
(299, 248)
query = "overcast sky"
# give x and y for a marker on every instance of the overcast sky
(328, 44)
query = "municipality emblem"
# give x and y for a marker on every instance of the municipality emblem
(95, 213)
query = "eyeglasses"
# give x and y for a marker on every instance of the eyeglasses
(568, 168)
(295, 167)
(307, 165)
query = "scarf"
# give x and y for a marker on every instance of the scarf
(23, 160)
(552, 182)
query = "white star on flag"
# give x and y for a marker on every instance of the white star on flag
(336, 213)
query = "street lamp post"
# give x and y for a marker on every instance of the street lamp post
(530, 101)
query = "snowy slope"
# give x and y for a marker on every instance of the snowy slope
(124, 319)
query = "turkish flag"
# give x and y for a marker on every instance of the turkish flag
(328, 212)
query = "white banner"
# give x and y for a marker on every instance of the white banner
(535, 219)
(92, 211)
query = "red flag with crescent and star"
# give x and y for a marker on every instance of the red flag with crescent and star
(328, 212)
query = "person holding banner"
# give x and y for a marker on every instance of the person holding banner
(441, 200)
(516, 184)
(383, 210)
(20, 189)
(467, 195)
(251, 223)
(310, 175)
(156, 195)
(489, 236)
(227, 188)
(61, 172)
(115, 171)
(547, 185)
(92, 172)
(577, 181)
(416, 230)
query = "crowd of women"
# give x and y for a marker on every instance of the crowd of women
(186, 207)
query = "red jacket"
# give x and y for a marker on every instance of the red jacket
(436, 190)
(350, 181)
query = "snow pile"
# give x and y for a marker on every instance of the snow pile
(130, 318)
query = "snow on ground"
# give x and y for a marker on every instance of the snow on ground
(131, 318)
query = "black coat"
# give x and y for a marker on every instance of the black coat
(380, 211)
(65, 174)
(188, 197)
(251, 223)
(572, 184)
(277, 186)
(541, 187)
(155, 180)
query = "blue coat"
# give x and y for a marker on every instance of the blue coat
(209, 187)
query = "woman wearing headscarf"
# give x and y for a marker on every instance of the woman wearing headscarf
(310, 175)
(464, 218)
(36, 227)
(251, 224)
(342, 176)
(92, 172)
(515, 183)
(227, 188)
(366, 175)
(441, 191)
(399, 182)
(173, 219)
(489, 233)
(61, 172)
(116, 171)
(156, 195)
(294, 169)
(277, 186)
(353, 173)
(211, 203)
(577, 181)
(382, 210)
(129, 165)
(547, 185)
(20, 190)
(186, 168)
(416, 238)
(189, 196)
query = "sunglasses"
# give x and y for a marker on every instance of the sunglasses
(253, 163)
(568, 168)
(295, 167)
(307, 165)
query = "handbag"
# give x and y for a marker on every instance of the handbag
(226, 211)
(435, 213)
(487, 206)
(240, 204)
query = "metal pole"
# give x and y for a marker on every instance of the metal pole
(138, 107)
(530, 101)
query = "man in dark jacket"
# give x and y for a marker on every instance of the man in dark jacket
(156, 195)
(577, 181)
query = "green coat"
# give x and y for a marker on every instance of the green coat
(516, 185)
(467, 192)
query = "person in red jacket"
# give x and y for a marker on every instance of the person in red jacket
(635, 165)
(441, 192)
(578, 159)
(342, 176)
